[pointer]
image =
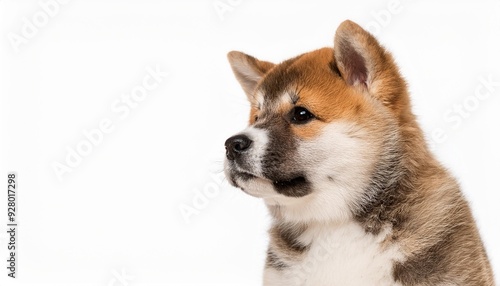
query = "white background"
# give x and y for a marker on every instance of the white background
(117, 213)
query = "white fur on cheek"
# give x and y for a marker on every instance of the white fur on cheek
(338, 164)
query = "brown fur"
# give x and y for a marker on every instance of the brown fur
(429, 217)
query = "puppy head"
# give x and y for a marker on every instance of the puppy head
(320, 126)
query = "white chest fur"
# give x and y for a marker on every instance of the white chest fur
(340, 255)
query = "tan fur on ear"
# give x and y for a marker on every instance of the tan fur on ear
(248, 71)
(364, 63)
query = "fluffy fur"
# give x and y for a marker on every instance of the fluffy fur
(355, 195)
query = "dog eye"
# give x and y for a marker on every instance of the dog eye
(300, 115)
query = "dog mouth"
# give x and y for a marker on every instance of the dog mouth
(278, 183)
(297, 186)
(291, 186)
(290, 183)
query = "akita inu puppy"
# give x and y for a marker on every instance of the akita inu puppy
(336, 153)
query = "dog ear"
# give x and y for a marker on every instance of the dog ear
(364, 63)
(248, 71)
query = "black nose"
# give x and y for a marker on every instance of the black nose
(236, 145)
